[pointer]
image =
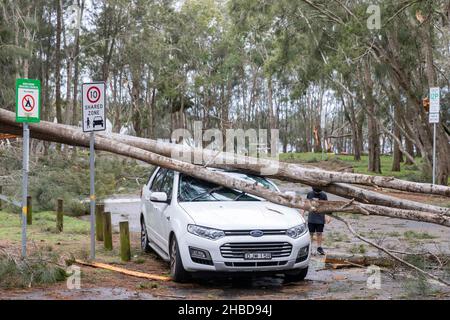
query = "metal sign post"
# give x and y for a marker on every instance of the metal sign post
(94, 104)
(434, 153)
(434, 119)
(28, 94)
(25, 160)
(92, 191)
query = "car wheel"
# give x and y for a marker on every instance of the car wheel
(298, 275)
(144, 237)
(176, 264)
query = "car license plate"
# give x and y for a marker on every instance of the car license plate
(257, 256)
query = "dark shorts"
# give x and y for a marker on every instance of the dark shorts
(315, 227)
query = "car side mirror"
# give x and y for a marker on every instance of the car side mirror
(158, 197)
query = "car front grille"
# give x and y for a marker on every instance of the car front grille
(272, 232)
(237, 250)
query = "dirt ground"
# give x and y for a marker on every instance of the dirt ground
(322, 281)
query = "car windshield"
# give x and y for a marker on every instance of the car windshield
(193, 189)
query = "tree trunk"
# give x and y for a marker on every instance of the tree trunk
(58, 62)
(397, 154)
(68, 135)
(272, 123)
(442, 143)
(290, 172)
(76, 70)
(351, 118)
(372, 125)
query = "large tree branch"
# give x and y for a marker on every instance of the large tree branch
(389, 253)
(68, 135)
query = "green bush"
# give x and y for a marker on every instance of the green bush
(60, 175)
(18, 273)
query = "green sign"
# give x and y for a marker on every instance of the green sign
(28, 100)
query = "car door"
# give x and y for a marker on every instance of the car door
(165, 180)
(151, 207)
(164, 218)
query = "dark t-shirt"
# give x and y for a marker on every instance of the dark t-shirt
(318, 218)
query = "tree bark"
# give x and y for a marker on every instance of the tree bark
(397, 154)
(76, 70)
(442, 143)
(372, 125)
(291, 172)
(68, 135)
(58, 62)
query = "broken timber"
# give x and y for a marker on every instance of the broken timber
(309, 176)
(65, 134)
(123, 271)
(358, 259)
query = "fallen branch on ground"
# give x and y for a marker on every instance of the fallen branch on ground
(358, 259)
(123, 271)
(389, 253)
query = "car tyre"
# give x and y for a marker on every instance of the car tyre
(176, 264)
(145, 246)
(295, 276)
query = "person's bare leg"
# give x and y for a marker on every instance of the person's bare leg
(319, 243)
(319, 239)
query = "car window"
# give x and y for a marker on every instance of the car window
(193, 189)
(167, 184)
(156, 184)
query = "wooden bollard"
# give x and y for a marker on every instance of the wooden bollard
(59, 216)
(125, 250)
(29, 210)
(107, 231)
(99, 211)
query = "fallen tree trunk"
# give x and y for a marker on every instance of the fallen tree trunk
(294, 172)
(286, 172)
(345, 190)
(367, 196)
(64, 134)
(309, 176)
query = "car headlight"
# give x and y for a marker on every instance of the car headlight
(297, 231)
(204, 232)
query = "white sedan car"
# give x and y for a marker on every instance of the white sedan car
(199, 226)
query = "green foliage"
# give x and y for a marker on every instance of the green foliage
(65, 177)
(38, 268)
(414, 235)
(358, 249)
(410, 173)
(43, 227)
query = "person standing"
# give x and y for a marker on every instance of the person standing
(316, 221)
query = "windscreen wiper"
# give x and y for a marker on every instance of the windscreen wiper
(240, 195)
(207, 192)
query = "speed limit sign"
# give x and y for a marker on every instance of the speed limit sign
(94, 106)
